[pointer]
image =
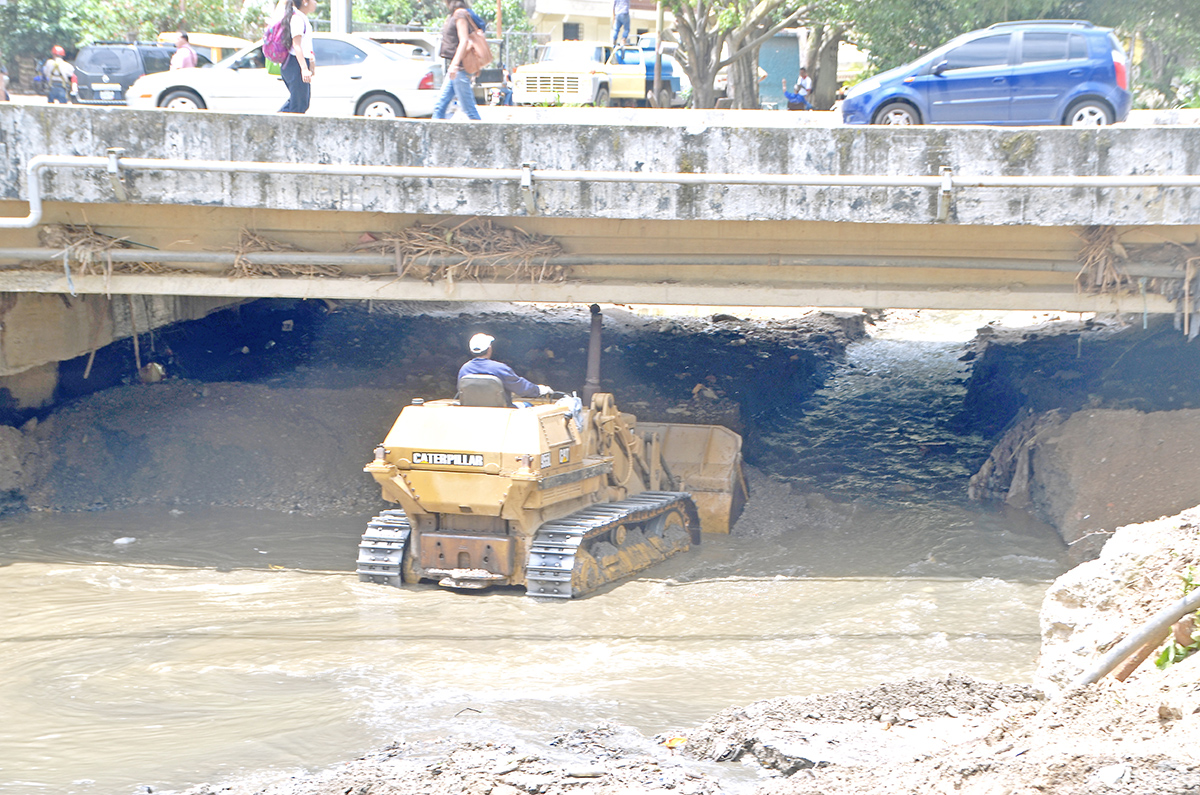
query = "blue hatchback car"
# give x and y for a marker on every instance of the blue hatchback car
(1033, 72)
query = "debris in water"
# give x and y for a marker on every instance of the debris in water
(123, 540)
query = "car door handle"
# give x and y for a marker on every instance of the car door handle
(1076, 73)
(356, 77)
(999, 79)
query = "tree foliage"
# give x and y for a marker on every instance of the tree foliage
(896, 31)
(29, 29)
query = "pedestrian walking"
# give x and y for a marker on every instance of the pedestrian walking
(185, 56)
(301, 64)
(457, 84)
(58, 75)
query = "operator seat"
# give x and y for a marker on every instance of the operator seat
(483, 390)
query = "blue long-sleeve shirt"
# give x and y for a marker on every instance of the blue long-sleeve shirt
(513, 383)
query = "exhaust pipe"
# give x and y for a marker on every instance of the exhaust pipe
(592, 383)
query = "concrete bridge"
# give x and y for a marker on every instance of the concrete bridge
(683, 207)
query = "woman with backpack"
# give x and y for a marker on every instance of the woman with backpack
(454, 46)
(300, 65)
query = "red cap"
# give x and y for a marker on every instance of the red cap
(58, 51)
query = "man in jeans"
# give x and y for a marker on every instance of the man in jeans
(58, 74)
(457, 83)
(620, 21)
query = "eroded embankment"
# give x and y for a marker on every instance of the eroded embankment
(278, 407)
(1100, 424)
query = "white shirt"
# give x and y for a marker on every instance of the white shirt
(301, 28)
(805, 85)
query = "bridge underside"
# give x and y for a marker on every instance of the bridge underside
(187, 250)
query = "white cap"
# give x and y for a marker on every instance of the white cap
(481, 342)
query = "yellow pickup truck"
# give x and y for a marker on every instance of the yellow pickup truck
(594, 73)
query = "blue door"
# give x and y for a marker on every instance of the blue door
(1051, 64)
(972, 84)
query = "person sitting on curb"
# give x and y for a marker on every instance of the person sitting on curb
(799, 99)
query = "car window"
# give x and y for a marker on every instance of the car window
(1038, 47)
(627, 57)
(331, 52)
(251, 60)
(156, 59)
(372, 47)
(107, 60)
(988, 51)
(1078, 47)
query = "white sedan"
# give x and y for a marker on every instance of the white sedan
(355, 76)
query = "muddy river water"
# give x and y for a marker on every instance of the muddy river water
(168, 648)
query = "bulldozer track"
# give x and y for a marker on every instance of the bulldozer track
(381, 552)
(552, 552)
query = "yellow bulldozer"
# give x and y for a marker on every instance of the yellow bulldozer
(552, 495)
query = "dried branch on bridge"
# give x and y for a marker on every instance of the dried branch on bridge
(254, 243)
(480, 250)
(1101, 261)
(1103, 258)
(90, 250)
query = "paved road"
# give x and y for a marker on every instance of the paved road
(706, 118)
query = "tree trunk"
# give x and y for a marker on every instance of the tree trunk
(825, 82)
(743, 80)
(700, 51)
(812, 48)
(1153, 67)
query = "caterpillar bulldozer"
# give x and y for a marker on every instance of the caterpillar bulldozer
(553, 495)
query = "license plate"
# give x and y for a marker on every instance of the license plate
(106, 95)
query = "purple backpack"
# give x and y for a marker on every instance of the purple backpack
(275, 42)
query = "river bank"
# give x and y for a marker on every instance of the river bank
(292, 438)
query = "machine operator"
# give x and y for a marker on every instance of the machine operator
(483, 364)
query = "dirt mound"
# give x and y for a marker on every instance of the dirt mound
(224, 444)
(1092, 607)
(607, 759)
(1089, 472)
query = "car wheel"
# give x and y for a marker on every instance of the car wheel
(896, 113)
(380, 106)
(1088, 113)
(602, 95)
(664, 98)
(182, 99)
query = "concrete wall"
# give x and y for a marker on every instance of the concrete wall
(663, 141)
